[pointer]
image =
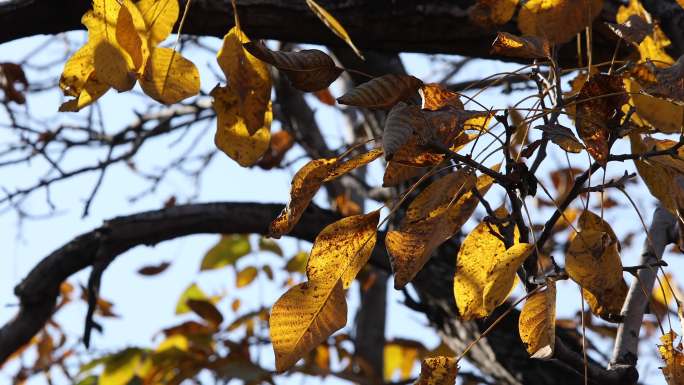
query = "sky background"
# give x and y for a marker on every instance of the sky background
(147, 304)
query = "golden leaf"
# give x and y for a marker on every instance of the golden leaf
(169, 77)
(537, 323)
(435, 97)
(355, 162)
(557, 20)
(433, 217)
(479, 250)
(112, 65)
(438, 371)
(591, 221)
(592, 260)
(489, 13)
(305, 185)
(654, 44)
(304, 317)
(396, 173)
(333, 24)
(382, 92)
(563, 137)
(131, 35)
(160, 17)
(673, 357)
(232, 136)
(92, 90)
(248, 76)
(245, 276)
(308, 70)
(400, 356)
(501, 274)
(343, 248)
(662, 115)
(531, 47)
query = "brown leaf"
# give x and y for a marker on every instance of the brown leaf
(563, 137)
(401, 122)
(382, 92)
(12, 74)
(355, 162)
(324, 96)
(531, 47)
(557, 20)
(490, 13)
(599, 109)
(673, 357)
(281, 143)
(396, 173)
(634, 30)
(206, 310)
(537, 323)
(669, 83)
(438, 371)
(308, 70)
(154, 270)
(435, 97)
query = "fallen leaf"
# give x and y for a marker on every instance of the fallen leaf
(333, 24)
(308, 70)
(382, 92)
(537, 323)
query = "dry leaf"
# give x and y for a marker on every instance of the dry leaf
(537, 323)
(12, 74)
(597, 113)
(308, 70)
(281, 143)
(669, 82)
(433, 217)
(160, 17)
(333, 24)
(232, 136)
(305, 185)
(396, 173)
(563, 137)
(557, 20)
(438, 371)
(355, 162)
(592, 260)
(661, 115)
(169, 77)
(154, 270)
(531, 47)
(206, 310)
(653, 46)
(501, 274)
(673, 357)
(382, 92)
(489, 13)
(634, 30)
(435, 97)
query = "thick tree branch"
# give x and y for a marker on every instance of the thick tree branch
(661, 233)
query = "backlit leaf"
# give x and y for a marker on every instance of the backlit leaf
(557, 20)
(160, 16)
(266, 244)
(673, 356)
(592, 260)
(382, 92)
(227, 251)
(435, 97)
(669, 82)
(438, 371)
(169, 77)
(131, 35)
(396, 173)
(121, 367)
(531, 47)
(501, 274)
(489, 13)
(297, 263)
(537, 323)
(563, 137)
(304, 317)
(308, 70)
(191, 292)
(654, 45)
(662, 115)
(232, 136)
(353, 163)
(333, 24)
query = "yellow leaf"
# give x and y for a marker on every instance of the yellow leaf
(557, 20)
(479, 252)
(591, 221)
(305, 184)
(531, 47)
(232, 136)
(438, 371)
(169, 77)
(304, 317)
(652, 46)
(191, 292)
(246, 276)
(664, 116)
(537, 323)
(488, 13)
(343, 248)
(160, 17)
(592, 260)
(248, 76)
(400, 356)
(121, 367)
(433, 217)
(131, 35)
(396, 173)
(501, 274)
(673, 357)
(333, 24)
(92, 90)
(353, 163)
(77, 70)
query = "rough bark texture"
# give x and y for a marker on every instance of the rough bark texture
(430, 26)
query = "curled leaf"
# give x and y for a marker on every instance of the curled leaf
(634, 30)
(308, 70)
(673, 356)
(401, 121)
(382, 92)
(333, 24)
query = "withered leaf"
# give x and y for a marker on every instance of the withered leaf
(673, 357)
(154, 270)
(563, 137)
(333, 24)
(308, 70)
(557, 20)
(669, 82)
(489, 13)
(435, 97)
(531, 47)
(281, 143)
(634, 30)
(537, 323)
(438, 371)
(11, 75)
(401, 122)
(382, 92)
